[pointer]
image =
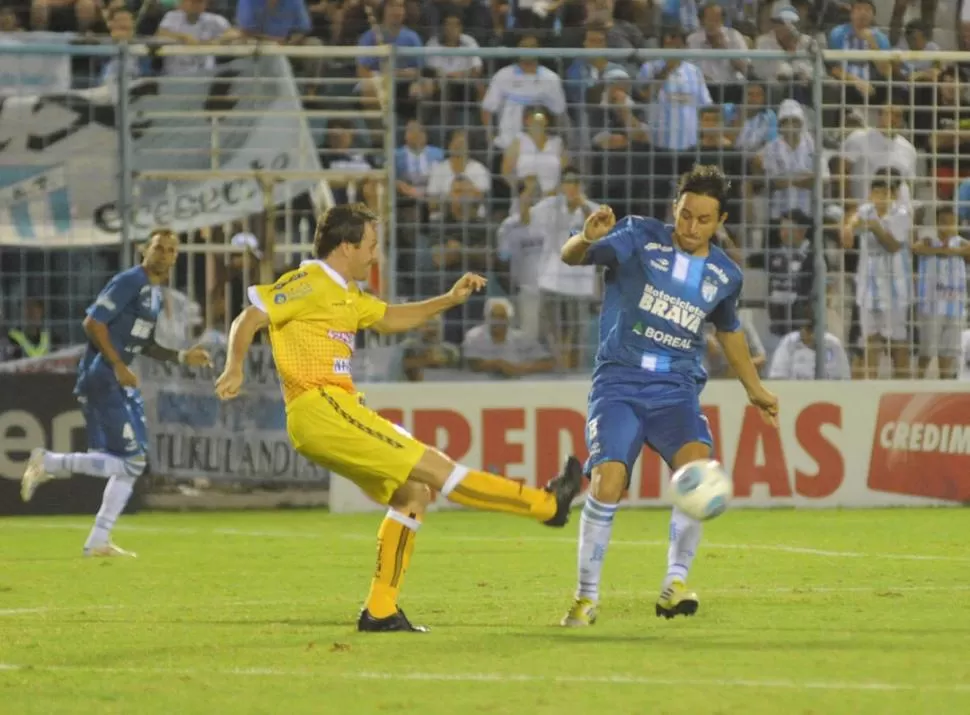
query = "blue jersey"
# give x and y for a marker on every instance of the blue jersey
(657, 300)
(129, 305)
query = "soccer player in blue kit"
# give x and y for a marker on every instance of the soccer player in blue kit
(662, 283)
(120, 325)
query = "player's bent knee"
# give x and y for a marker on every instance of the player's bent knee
(411, 498)
(433, 469)
(135, 466)
(691, 452)
(608, 482)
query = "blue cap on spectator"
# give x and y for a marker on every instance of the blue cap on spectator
(786, 14)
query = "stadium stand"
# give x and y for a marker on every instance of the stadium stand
(497, 155)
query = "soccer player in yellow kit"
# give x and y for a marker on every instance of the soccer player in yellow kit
(313, 315)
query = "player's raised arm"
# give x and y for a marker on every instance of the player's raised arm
(598, 224)
(407, 316)
(241, 334)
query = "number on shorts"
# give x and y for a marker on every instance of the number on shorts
(141, 329)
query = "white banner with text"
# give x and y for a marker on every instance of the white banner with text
(838, 444)
(59, 154)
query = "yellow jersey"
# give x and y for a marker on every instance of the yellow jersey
(314, 316)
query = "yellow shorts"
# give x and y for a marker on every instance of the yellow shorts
(331, 427)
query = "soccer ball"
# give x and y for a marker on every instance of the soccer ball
(702, 489)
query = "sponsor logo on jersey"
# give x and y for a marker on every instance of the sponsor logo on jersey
(295, 277)
(672, 309)
(341, 366)
(709, 291)
(666, 339)
(921, 445)
(279, 298)
(658, 247)
(105, 302)
(661, 264)
(719, 273)
(347, 338)
(299, 291)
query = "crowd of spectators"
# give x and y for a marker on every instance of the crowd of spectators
(497, 160)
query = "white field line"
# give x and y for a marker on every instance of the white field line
(502, 596)
(636, 680)
(273, 534)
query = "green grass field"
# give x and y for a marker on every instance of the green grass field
(801, 612)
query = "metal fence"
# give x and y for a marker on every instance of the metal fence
(523, 141)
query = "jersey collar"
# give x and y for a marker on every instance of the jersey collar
(337, 278)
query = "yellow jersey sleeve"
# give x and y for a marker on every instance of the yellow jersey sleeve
(369, 310)
(293, 296)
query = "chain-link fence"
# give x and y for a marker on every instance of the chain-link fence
(846, 171)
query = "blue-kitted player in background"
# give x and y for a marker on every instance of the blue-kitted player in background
(662, 283)
(120, 325)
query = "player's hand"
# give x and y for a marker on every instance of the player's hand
(599, 223)
(124, 375)
(767, 404)
(197, 356)
(465, 286)
(229, 383)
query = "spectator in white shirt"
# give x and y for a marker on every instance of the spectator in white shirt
(724, 77)
(568, 292)
(192, 25)
(457, 164)
(520, 246)
(791, 77)
(496, 348)
(868, 152)
(794, 359)
(788, 163)
(458, 76)
(515, 87)
(536, 155)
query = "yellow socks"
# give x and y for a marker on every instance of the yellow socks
(395, 544)
(481, 490)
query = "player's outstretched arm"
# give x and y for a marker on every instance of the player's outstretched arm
(241, 334)
(738, 355)
(598, 224)
(404, 317)
(196, 356)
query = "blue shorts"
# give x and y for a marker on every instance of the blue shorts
(115, 419)
(622, 418)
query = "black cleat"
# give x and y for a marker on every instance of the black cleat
(565, 487)
(397, 622)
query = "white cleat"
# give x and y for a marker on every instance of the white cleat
(34, 474)
(108, 550)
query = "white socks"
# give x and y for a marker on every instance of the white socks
(595, 528)
(94, 464)
(685, 537)
(116, 496)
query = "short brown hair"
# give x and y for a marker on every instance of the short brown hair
(341, 224)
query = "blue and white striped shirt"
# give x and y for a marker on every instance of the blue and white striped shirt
(844, 37)
(884, 279)
(941, 283)
(782, 162)
(672, 116)
(757, 131)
